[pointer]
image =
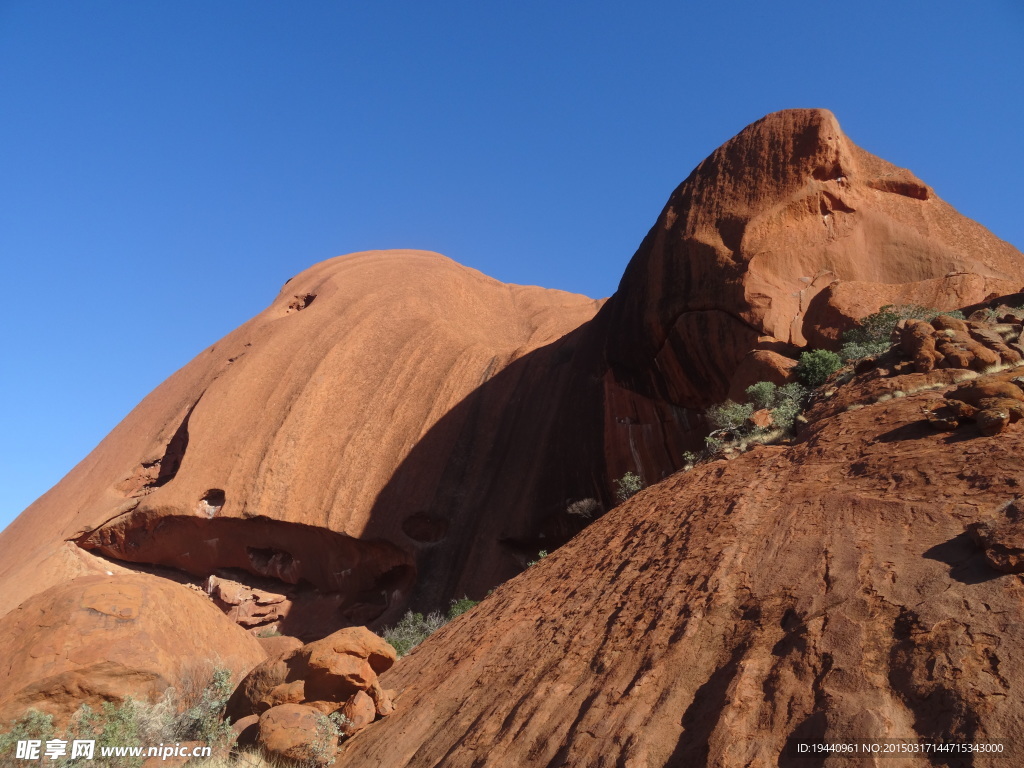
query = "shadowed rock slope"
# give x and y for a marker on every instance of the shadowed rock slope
(827, 589)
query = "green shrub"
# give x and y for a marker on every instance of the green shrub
(762, 395)
(32, 725)
(816, 366)
(785, 402)
(873, 333)
(411, 630)
(540, 556)
(627, 486)
(133, 724)
(459, 607)
(713, 444)
(729, 415)
(204, 721)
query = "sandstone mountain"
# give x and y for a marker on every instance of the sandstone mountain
(396, 430)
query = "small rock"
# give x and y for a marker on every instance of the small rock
(359, 712)
(761, 419)
(246, 730)
(1002, 539)
(298, 733)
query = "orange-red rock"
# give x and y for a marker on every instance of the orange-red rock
(323, 674)
(820, 591)
(302, 453)
(297, 733)
(323, 656)
(359, 712)
(104, 638)
(396, 430)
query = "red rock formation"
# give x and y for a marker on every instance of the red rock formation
(787, 233)
(398, 430)
(280, 457)
(824, 590)
(102, 638)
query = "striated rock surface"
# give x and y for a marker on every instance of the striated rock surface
(823, 590)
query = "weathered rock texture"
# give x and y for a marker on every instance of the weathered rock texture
(328, 675)
(827, 589)
(785, 235)
(396, 430)
(102, 638)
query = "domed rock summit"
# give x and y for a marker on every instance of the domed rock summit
(396, 431)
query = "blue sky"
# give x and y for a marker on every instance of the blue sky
(166, 166)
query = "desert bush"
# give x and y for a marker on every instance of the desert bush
(872, 334)
(32, 725)
(785, 402)
(762, 395)
(814, 367)
(729, 415)
(584, 508)
(411, 630)
(204, 721)
(459, 607)
(133, 724)
(627, 486)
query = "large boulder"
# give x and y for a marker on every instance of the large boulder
(297, 734)
(105, 638)
(326, 675)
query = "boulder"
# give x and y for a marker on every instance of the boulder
(298, 734)
(104, 638)
(359, 712)
(246, 730)
(324, 656)
(1002, 539)
(323, 674)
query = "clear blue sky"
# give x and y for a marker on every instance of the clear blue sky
(166, 166)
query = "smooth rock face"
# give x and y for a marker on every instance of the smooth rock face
(102, 638)
(290, 456)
